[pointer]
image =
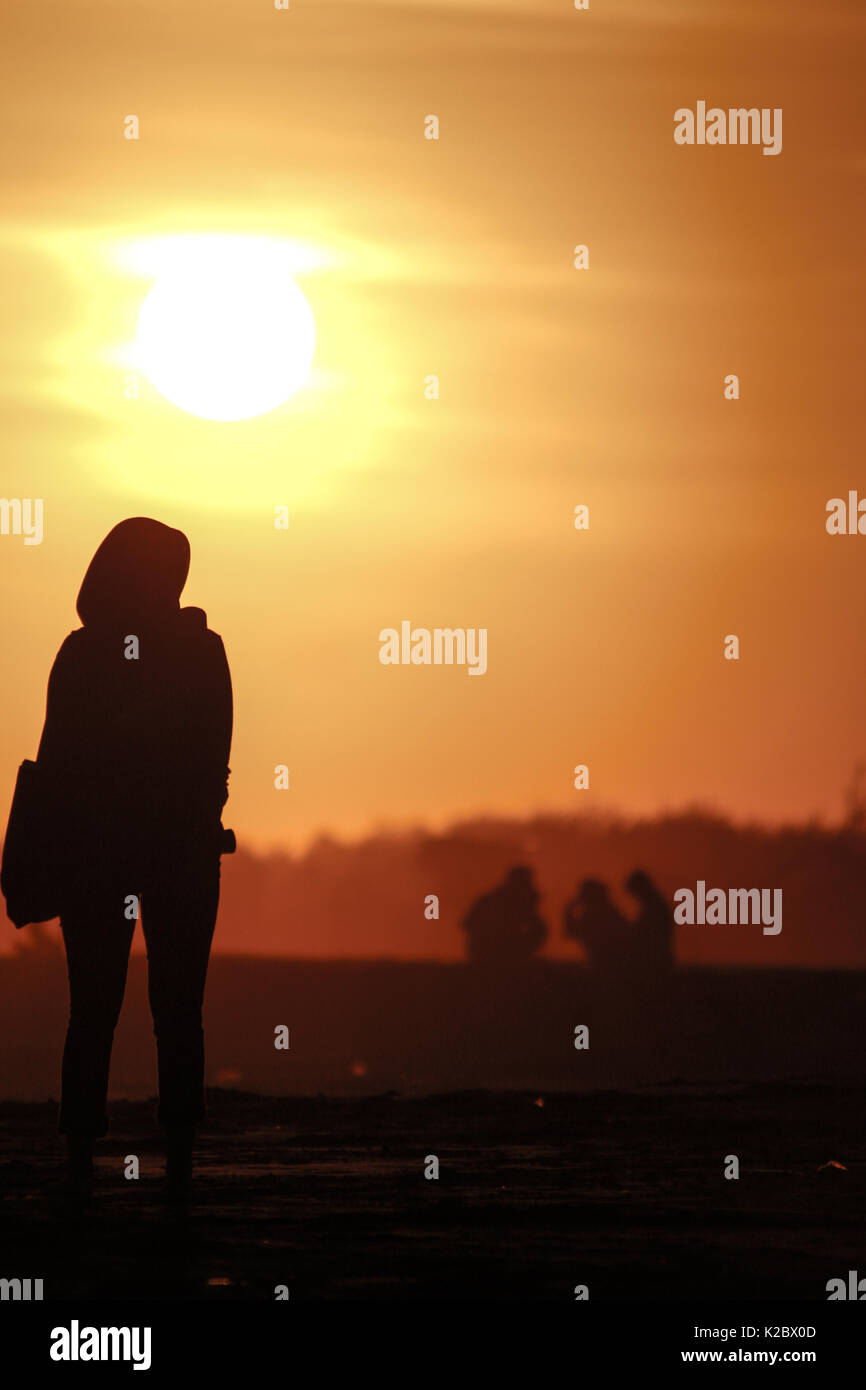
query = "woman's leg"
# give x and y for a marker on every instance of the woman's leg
(97, 937)
(178, 917)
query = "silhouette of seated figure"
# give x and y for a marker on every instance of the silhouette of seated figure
(593, 920)
(503, 926)
(654, 925)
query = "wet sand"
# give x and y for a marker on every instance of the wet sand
(620, 1190)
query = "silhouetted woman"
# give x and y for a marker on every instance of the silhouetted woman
(137, 735)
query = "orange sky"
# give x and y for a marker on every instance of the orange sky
(558, 387)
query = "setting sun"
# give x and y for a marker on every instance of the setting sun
(225, 333)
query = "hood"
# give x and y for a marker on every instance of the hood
(137, 573)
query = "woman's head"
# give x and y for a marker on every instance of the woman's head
(138, 572)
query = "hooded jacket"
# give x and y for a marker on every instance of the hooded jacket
(138, 718)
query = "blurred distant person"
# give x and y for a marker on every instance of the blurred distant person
(654, 925)
(503, 927)
(593, 920)
(136, 742)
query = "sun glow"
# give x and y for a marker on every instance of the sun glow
(225, 333)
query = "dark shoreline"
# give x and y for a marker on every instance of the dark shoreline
(361, 1028)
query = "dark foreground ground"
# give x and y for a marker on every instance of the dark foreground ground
(538, 1192)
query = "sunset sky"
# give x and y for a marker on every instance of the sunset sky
(558, 387)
